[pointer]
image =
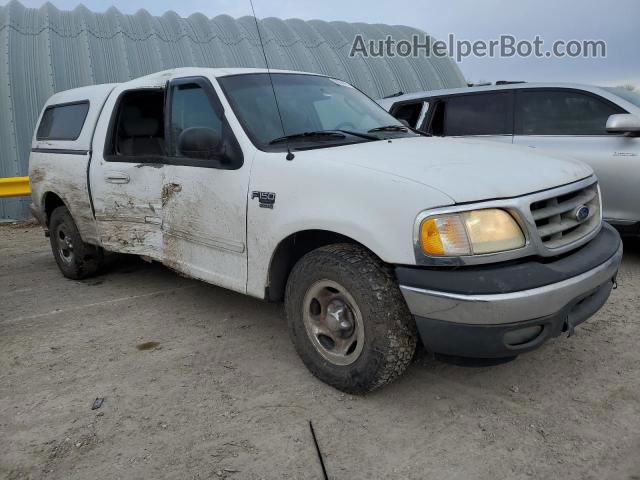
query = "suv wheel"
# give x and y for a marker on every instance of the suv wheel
(75, 258)
(347, 318)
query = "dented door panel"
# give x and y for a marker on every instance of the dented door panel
(204, 223)
(204, 199)
(128, 214)
(126, 195)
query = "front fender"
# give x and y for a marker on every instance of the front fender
(375, 209)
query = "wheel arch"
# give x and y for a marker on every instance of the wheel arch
(291, 249)
(51, 201)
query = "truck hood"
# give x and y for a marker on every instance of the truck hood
(465, 170)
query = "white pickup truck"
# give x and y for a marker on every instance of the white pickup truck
(371, 233)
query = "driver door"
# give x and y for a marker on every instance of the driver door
(204, 195)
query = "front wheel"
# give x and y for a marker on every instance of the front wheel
(347, 318)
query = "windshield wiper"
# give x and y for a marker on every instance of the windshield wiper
(389, 128)
(305, 135)
(358, 134)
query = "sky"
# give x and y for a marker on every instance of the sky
(617, 23)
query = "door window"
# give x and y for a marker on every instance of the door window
(558, 112)
(191, 108)
(410, 112)
(436, 125)
(628, 95)
(484, 114)
(200, 133)
(137, 133)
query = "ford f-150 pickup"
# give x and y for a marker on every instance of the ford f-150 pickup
(299, 188)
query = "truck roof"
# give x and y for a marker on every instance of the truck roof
(159, 79)
(95, 96)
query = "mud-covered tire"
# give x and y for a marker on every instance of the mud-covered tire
(389, 329)
(75, 258)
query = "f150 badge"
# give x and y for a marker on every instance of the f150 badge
(265, 199)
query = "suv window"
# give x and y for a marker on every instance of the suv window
(561, 113)
(63, 122)
(485, 114)
(409, 112)
(191, 108)
(628, 95)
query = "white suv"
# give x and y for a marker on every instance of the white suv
(600, 126)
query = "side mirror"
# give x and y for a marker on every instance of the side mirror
(404, 122)
(623, 123)
(200, 142)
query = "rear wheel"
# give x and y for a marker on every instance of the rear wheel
(75, 258)
(347, 318)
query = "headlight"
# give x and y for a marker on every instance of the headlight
(470, 233)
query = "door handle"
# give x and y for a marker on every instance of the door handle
(117, 177)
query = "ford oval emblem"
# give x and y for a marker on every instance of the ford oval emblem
(582, 213)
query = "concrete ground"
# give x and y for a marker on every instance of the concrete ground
(222, 393)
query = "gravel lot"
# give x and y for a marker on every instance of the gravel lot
(222, 394)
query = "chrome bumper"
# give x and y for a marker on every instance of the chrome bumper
(496, 309)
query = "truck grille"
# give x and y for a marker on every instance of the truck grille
(556, 217)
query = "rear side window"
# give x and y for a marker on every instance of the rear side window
(487, 114)
(562, 113)
(63, 122)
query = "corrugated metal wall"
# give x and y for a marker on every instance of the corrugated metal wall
(43, 51)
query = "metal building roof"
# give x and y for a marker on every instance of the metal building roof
(46, 50)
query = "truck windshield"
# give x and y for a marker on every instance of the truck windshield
(310, 105)
(628, 95)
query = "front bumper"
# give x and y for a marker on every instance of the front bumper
(500, 311)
